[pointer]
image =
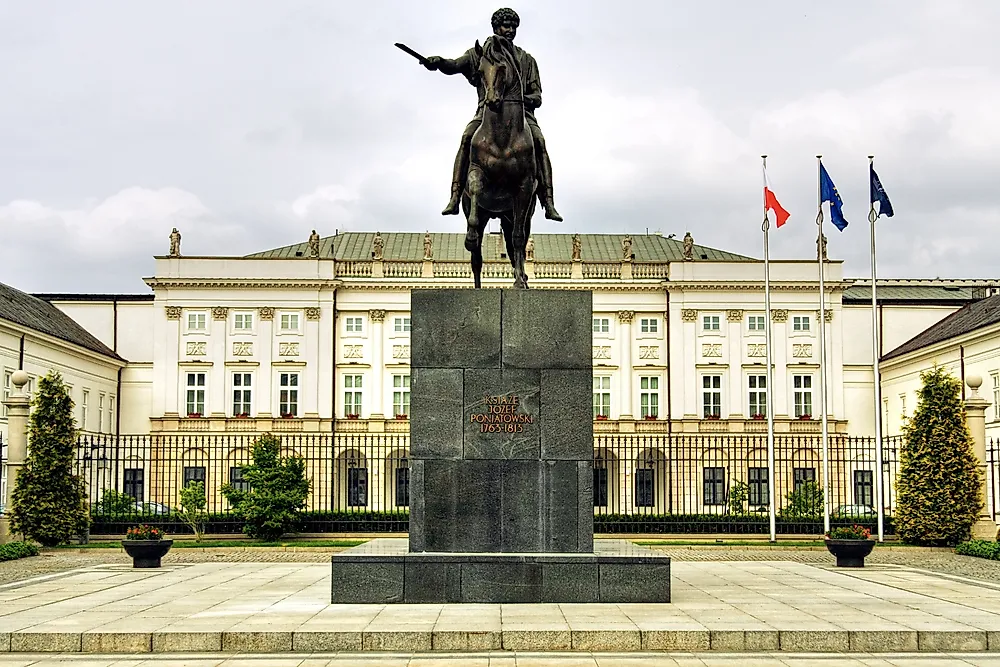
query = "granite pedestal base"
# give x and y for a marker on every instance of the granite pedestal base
(385, 571)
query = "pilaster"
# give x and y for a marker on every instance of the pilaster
(18, 407)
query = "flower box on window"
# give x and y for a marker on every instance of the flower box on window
(242, 415)
(758, 417)
(805, 417)
(287, 415)
(713, 417)
(649, 417)
(194, 415)
(402, 416)
(601, 418)
(353, 416)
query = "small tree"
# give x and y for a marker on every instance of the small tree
(193, 508)
(739, 494)
(278, 491)
(939, 489)
(115, 502)
(805, 502)
(49, 502)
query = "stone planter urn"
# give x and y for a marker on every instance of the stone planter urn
(146, 553)
(850, 553)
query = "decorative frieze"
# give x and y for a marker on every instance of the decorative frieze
(734, 315)
(802, 350)
(353, 351)
(689, 315)
(626, 316)
(312, 314)
(288, 349)
(711, 349)
(195, 348)
(828, 313)
(220, 313)
(779, 315)
(265, 313)
(756, 350)
(173, 312)
(602, 352)
(649, 351)
(376, 315)
(242, 349)
(400, 351)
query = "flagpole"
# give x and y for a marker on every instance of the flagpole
(769, 406)
(822, 349)
(879, 482)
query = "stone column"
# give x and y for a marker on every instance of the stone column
(625, 318)
(975, 416)
(215, 398)
(17, 447)
(378, 366)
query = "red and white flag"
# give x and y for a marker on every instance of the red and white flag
(771, 203)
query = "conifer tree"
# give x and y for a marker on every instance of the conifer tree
(939, 490)
(49, 502)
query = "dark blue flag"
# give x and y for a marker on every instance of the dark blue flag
(828, 192)
(878, 193)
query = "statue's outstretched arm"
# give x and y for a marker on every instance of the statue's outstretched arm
(460, 65)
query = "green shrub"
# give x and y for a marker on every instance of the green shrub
(939, 488)
(979, 549)
(115, 502)
(739, 494)
(193, 508)
(805, 502)
(15, 550)
(49, 502)
(278, 491)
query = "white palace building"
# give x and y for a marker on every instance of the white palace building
(314, 337)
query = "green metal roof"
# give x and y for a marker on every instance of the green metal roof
(918, 292)
(409, 246)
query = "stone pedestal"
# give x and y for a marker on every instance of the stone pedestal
(18, 407)
(975, 416)
(501, 459)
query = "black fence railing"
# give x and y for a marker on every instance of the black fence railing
(993, 478)
(642, 483)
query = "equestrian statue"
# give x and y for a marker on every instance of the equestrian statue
(502, 163)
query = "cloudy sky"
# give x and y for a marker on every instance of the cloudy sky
(246, 123)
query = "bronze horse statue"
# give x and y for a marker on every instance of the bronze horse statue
(503, 172)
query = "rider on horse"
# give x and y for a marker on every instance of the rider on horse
(505, 22)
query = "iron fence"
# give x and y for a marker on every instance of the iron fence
(993, 478)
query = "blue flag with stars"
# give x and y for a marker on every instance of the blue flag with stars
(878, 193)
(828, 192)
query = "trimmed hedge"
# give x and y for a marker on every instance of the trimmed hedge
(979, 549)
(398, 522)
(15, 550)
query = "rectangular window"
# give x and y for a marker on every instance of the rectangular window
(714, 485)
(242, 394)
(649, 325)
(645, 494)
(289, 322)
(84, 408)
(236, 478)
(111, 414)
(401, 395)
(132, 479)
(7, 388)
(194, 474)
(602, 325)
(711, 395)
(100, 413)
(802, 476)
(649, 397)
(357, 487)
(197, 321)
(288, 394)
(600, 487)
(902, 405)
(243, 322)
(864, 488)
(755, 323)
(352, 324)
(710, 323)
(996, 395)
(800, 323)
(402, 484)
(757, 396)
(352, 396)
(195, 395)
(401, 324)
(602, 396)
(759, 493)
(803, 395)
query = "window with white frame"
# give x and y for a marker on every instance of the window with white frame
(602, 325)
(757, 396)
(649, 396)
(710, 323)
(111, 414)
(352, 396)
(902, 405)
(711, 396)
(401, 395)
(84, 408)
(194, 399)
(197, 321)
(242, 394)
(243, 322)
(288, 394)
(649, 325)
(7, 387)
(996, 395)
(288, 323)
(100, 413)
(802, 395)
(352, 324)
(401, 324)
(755, 323)
(800, 323)
(602, 396)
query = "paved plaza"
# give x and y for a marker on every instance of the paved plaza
(740, 607)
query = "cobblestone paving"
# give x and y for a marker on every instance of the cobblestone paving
(941, 561)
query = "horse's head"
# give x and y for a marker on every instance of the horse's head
(495, 69)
